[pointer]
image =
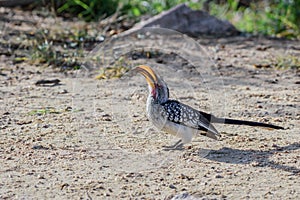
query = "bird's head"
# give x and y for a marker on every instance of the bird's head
(158, 88)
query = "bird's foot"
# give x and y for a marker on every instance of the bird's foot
(177, 146)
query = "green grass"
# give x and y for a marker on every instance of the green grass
(277, 18)
(288, 62)
(120, 67)
(51, 110)
(44, 111)
(89, 10)
(280, 18)
(44, 48)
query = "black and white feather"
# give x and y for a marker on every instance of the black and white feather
(180, 113)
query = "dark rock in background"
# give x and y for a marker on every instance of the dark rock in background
(191, 22)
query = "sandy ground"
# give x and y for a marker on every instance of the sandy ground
(90, 139)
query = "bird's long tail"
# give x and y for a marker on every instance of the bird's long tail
(242, 122)
(213, 119)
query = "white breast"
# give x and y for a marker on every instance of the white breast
(162, 124)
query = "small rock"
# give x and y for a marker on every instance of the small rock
(219, 176)
(64, 91)
(39, 147)
(273, 81)
(184, 196)
(63, 186)
(172, 186)
(41, 177)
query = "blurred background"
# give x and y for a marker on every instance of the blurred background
(60, 33)
(276, 18)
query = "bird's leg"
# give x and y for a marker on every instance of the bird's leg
(178, 145)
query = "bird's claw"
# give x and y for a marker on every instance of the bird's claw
(177, 146)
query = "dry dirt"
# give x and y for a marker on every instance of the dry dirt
(90, 139)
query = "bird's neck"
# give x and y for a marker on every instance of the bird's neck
(158, 99)
(159, 94)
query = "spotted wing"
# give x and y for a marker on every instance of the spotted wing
(183, 114)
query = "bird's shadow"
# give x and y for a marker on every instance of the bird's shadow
(258, 158)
